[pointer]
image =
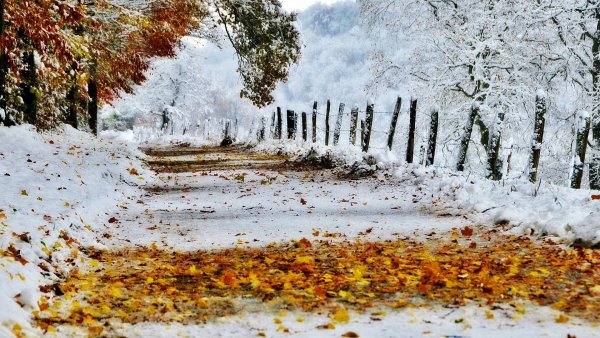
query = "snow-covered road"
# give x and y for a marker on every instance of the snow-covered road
(238, 199)
(228, 204)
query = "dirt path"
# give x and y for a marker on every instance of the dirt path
(228, 242)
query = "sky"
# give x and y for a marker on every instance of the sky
(296, 5)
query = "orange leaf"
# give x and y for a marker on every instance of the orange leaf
(467, 231)
(229, 279)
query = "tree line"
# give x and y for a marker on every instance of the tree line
(60, 60)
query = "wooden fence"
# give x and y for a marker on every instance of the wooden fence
(494, 163)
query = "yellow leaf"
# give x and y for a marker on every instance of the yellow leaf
(561, 319)
(304, 259)
(24, 192)
(276, 320)
(341, 316)
(193, 270)
(149, 280)
(595, 290)
(539, 272)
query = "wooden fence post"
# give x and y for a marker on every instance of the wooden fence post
(279, 127)
(410, 151)
(362, 134)
(466, 139)
(338, 125)
(327, 122)
(583, 124)
(292, 123)
(368, 126)
(353, 125)
(314, 122)
(538, 136)
(392, 132)
(433, 132)
(304, 127)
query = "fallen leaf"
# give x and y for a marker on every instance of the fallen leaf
(341, 316)
(561, 319)
(466, 231)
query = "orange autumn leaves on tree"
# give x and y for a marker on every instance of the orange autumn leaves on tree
(122, 51)
(113, 44)
(42, 25)
(62, 59)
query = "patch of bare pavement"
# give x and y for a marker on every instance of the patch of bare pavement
(228, 241)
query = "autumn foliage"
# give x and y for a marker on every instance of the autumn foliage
(60, 59)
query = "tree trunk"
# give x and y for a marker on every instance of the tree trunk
(93, 104)
(72, 102)
(433, 132)
(538, 137)
(410, 150)
(338, 125)
(583, 131)
(3, 74)
(30, 89)
(7, 121)
(494, 165)
(464, 143)
(392, 132)
(595, 158)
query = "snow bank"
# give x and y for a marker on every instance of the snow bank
(57, 192)
(543, 209)
(529, 209)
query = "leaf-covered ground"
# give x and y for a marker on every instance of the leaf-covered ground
(451, 269)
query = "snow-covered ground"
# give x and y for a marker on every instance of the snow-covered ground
(68, 185)
(541, 209)
(193, 212)
(469, 321)
(57, 189)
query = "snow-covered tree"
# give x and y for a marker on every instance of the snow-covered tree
(494, 55)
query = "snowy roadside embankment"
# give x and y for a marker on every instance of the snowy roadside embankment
(568, 215)
(57, 192)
